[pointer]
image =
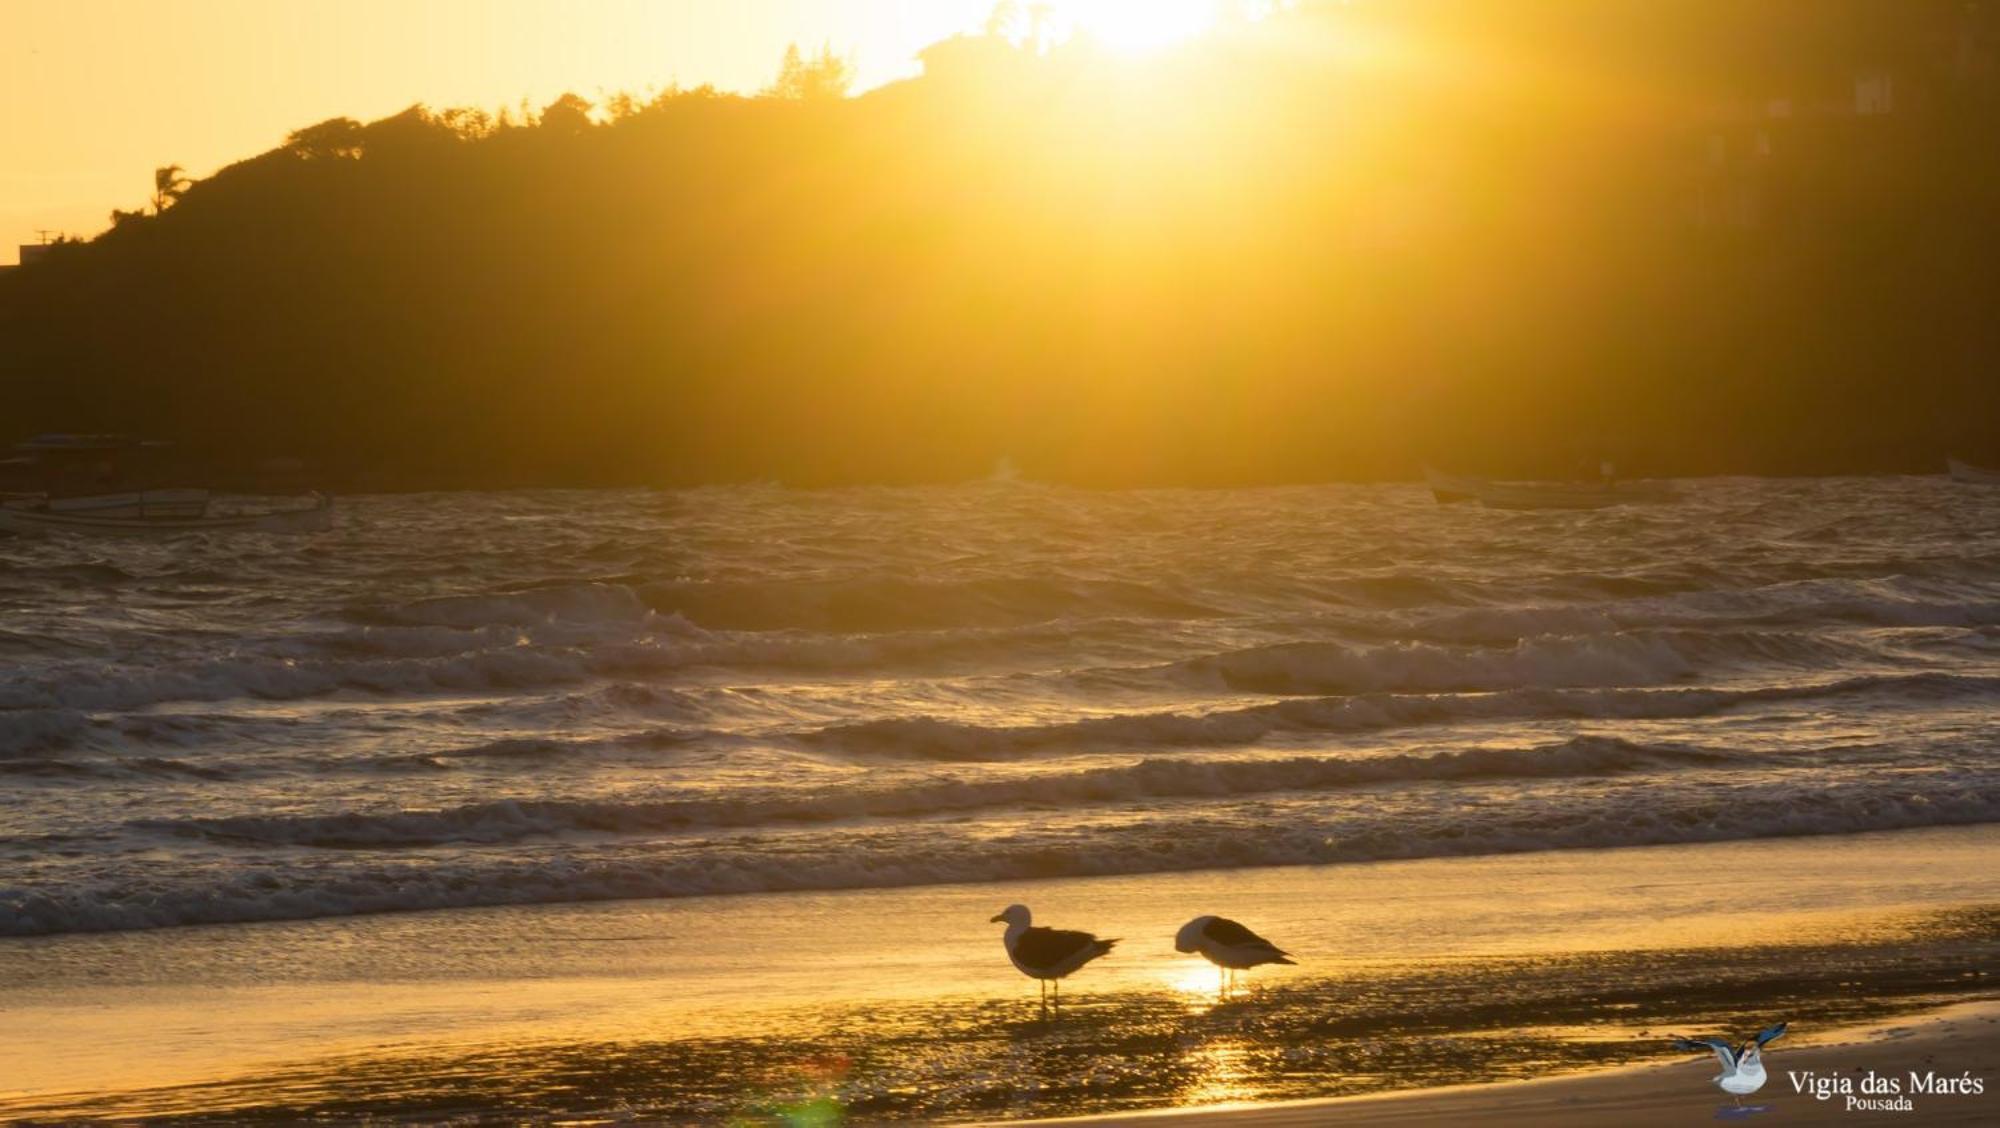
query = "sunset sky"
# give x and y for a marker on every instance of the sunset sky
(100, 92)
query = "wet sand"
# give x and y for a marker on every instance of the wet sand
(1958, 1042)
(899, 1004)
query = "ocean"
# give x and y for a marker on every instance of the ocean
(462, 700)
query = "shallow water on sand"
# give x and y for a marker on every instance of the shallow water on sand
(464, 700)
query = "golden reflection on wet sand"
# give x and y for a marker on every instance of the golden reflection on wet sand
(1448, 1021)
(1223, 1075)
(781, 1010)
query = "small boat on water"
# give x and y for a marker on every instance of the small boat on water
(154, 513)
(1449, 488)
(1972, 475)
(109, 485)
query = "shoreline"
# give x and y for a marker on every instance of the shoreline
(1960, 1038)
(712, 1008)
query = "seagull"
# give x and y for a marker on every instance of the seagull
(1228, 945)
(1742, 1067)
(1047, 954)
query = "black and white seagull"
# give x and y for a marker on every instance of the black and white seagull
(1228, 945)
(1047, 954)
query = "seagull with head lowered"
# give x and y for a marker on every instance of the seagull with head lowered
(1228, 945)
(1047, 954)
(1742, 1066)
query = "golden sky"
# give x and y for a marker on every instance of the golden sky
(100, 92)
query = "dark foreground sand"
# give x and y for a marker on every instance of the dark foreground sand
(1959, 1042)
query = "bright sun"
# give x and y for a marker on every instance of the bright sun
(1137, 26)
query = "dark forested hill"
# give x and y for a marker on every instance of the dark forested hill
(1700, 236)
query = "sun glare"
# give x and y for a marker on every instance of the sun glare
(1135, 27)
(1188, 977)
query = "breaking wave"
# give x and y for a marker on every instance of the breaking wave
(936, 738)
(1633, 659)
(1148, 779)
(348, 883)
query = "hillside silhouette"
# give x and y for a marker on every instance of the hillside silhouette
(1697, 236)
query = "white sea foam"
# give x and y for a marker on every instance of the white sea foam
(1158, 778)
(346, 882)
(937, 738)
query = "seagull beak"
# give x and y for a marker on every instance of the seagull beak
(998, 920)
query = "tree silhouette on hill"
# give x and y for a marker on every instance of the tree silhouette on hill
(169, 185)
(1506, 237)
(824, 76)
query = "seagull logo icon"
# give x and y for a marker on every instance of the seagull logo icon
(1742, 1066)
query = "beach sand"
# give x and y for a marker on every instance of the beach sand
(1957, 1042)
(899, 1003)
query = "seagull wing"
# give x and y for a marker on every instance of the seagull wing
(1047, 947)
(1231, 934)
(1723, 1053)
(1773, 1033)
